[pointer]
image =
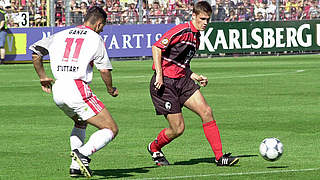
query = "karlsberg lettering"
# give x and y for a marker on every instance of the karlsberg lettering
(261, 38)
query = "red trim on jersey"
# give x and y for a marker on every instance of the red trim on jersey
(170, 67)
(193, 29)
(89, 98)
(84, 27)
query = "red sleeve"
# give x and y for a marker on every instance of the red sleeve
(169, 37)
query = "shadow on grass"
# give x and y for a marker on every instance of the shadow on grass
(277, 167)
(119, 173)
(205, 160)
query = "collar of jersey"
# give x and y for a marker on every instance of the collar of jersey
(193, 29)
(83, 27)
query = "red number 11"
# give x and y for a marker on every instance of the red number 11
(76, 52)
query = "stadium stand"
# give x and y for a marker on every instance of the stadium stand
(160, 11)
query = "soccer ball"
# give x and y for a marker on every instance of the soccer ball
(271, 149)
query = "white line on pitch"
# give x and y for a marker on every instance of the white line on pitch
(244, 76)
(231, 174)
(226, 77)
(258, 75)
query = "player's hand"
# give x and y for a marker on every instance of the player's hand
(159, 82)
(46, 84)
(203, 81)
(114, 92)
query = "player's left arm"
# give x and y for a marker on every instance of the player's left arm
(203, 81)
(46, 83)
(107, 79)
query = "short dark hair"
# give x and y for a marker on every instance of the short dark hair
(202, 6)
(94, 14)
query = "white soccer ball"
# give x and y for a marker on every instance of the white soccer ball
(271, 149)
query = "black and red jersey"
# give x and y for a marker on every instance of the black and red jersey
(178, 46)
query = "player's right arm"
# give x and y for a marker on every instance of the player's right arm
(40, 49)
(156, 55)
(46, 83)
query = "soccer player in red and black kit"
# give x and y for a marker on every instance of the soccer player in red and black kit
(173, 86)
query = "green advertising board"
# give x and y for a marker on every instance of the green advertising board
(267, 36)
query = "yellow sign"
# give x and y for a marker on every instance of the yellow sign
(16, 43)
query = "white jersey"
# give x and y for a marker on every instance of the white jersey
(73, 52)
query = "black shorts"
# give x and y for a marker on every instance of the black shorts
(173, 94)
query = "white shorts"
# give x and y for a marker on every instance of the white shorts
(75, 97)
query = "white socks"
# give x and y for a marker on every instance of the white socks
(76, 141)
(96, 141)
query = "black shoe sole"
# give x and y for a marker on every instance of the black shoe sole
(235, 161)
(83, 168)
(151, 153)
(75, 173)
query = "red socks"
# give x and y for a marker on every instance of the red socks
(211, 131)
(160, 142)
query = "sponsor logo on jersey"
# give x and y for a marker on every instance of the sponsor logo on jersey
(165, 41)
(167, 105)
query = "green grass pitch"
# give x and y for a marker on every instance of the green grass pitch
(252, 97)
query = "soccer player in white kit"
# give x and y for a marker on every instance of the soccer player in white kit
(73, 53)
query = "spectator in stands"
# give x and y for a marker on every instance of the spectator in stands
(13, 8)
(188, 12)
(60, 13)
(116, 13)
(131, 15)
(295, 13)
(290, 5)
(37, 20)
(75, 13)
(219, 11)
(249, 10)
(271, 11)
(100, 3)
(229, 4)
(22, 5)
(108, 10)
(145, 12)
(3, 34)
(242, 13)
(259, 10)
(259, 17)
(32, 12)
(155, 10)
(92, 3)
(231, 17)
(156, 13)
(83, 8)
(171, 6)
(306, 9)
(85, 1)
(314, 10)
(43, 13)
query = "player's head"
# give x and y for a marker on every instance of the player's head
(201, 15)
(96, 18)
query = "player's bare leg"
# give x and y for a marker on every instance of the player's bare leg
(198, 104)
(176, 128)
(176, 125)
(108, 129)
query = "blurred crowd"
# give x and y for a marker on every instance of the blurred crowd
(157, 11)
